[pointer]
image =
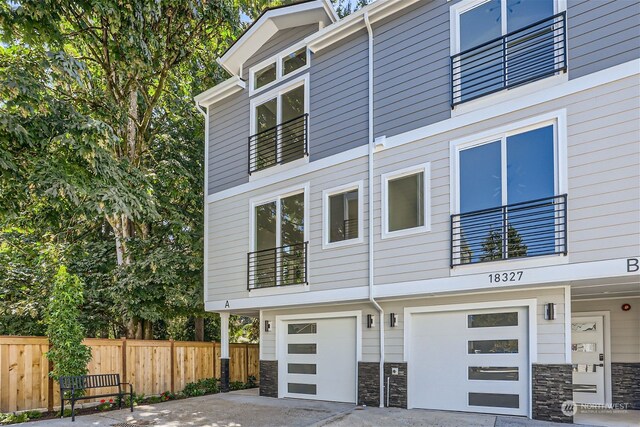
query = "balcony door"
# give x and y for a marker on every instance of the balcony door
(279, 252)
(279, 128)
(495, 54)
(506, 196)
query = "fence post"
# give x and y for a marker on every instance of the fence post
(173, 366)
(49, 383)
(246, 362)
(124, 360)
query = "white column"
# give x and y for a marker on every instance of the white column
(224, 335)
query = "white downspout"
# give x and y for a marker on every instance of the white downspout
(371, 264)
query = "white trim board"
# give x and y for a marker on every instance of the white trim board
(609, 75)
(307, 168)
(590, 81)
(548, 276)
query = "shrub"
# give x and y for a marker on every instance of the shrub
(68, 354)
(201, 387)
(236, 385)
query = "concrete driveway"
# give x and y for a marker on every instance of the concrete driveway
(245, 408)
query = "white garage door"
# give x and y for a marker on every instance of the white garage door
(475, 361)
(319, 359)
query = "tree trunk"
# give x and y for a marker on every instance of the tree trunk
(199, 327)
(148, 330)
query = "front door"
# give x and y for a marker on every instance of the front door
(587, 355)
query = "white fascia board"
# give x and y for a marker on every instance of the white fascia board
(337, 31)
(590, 81)
(538, 276)
(262, 30)
(220, 91)
(532, 278)
(306, 168)
(352, 294)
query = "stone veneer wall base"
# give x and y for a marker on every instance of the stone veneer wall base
(625, 384)
(369, 383)
(397, 391)
(551, 385)
(224, 375)
(269, 378)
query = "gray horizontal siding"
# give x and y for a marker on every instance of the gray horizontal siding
(277, 43)
(602, 34)
(411, 69)
(228, 132)
(339, 97)
(229, 239)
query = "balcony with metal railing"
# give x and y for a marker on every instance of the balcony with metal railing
(519, 57)
(281, 144)
(527, 229)
(285, 265)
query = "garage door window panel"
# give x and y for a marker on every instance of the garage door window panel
(493, 373)
(302, 348)
(490, 320)
(302, 368)
(300, 388)
(495, 400)
(302, 328)
(507, 346)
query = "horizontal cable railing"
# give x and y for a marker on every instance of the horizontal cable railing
(283, 143)
(285, 265)
(527, 229)
(522, 56)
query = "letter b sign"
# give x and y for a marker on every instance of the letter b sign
(632, 265)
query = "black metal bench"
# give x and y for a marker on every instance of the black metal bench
(83, 382)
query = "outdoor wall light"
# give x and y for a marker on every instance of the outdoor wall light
(369, 321)
(267, 325)
(549, 311)
(393, 320)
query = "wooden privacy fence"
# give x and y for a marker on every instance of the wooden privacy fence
(153, 367)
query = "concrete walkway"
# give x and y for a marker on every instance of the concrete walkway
(245, 408)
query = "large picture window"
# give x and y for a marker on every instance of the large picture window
(405, 201)
(507, 197)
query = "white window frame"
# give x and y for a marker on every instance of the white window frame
(277, 59)
(384, 183)
(465, 5)
(277, 197)
(557, 118)
(277, 94)
(326, 231)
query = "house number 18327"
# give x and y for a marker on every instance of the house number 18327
(510, 276)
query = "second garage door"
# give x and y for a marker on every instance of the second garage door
(319, 359)
(470, 361)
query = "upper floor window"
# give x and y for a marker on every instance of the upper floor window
(274, 69)
(278, 241)
(279, 123)
(342, 211)
(405, 201)
(507, 197)
(498, 44)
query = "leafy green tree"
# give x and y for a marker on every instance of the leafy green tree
(68, 354)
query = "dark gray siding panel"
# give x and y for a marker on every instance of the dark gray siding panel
(602, 34)
(228, 132)
(339, 98)
(411, 69)
(276, 44)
